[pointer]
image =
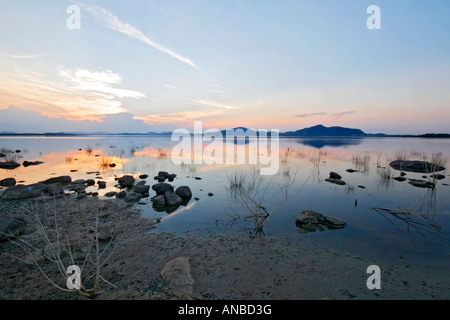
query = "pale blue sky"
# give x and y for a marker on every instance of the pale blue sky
(142, 65)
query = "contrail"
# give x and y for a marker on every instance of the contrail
(114, 23)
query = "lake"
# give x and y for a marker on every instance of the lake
(385, 218)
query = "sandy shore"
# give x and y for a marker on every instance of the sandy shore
(220, 266)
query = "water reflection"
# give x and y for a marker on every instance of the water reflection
(320, 143)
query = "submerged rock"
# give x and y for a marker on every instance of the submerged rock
(416, 166)
(311, 221)
(401, 179)
(421, 183)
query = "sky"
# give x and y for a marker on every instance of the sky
(139, 66)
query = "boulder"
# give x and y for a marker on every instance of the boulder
(111, 194)
(141, 188)
(416, 166)
(184, 192)
(8, 182)
(143, 176)
(126, 181)
(172, 199)
(122, 194)
(101, 184)
(9, 165)
(162, 188)
(159, 201)
(11, 226)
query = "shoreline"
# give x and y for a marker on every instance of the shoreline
(219, 267)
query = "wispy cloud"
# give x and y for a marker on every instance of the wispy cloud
(26, 56)
(210, 103)
(168, 86)
(78, 94)
(113, 22)
(341, 114)
(185, 117)
(307, 115)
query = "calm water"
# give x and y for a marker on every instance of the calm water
(422, 237)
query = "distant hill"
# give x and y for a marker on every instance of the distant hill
(322, 131)
(315, 131)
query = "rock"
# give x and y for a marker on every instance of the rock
(76, 187)
(79, 181)
(336, 181)
(31, 163)
(101, 184)
(111, 194)
(122, 194)
(421, 183)
(20, 192)
(11, 226)
(143, 176)
(198, 178)
(81, 195)
(62, 180)
(415, 166)
(18, 151)
(172, 199)
(177, 274)
(126, 181)
(351, 170)
(334, 175)
(161, 179)
(401, 179)
(8, 182)
(438, 176)
(2, 155)
(334, 223)
(106, 233)
(320, 217)
(163, 174)
(113, 165)
(9, 165)
(305, 219)
(402, 174)
(184, 192)
(162, 188)
(141, 188)
(172, 177)
(133, 197)
(90, 182)
(361, 187)
(210, 194)
(55, 189)
(159, 201)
